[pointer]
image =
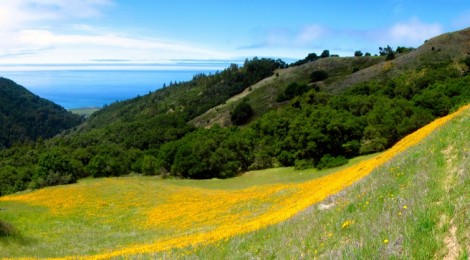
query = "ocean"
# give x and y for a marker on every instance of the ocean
(95, 88)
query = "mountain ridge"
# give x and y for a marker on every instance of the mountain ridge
(25, 116)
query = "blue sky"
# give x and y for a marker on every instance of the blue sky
(212, 33)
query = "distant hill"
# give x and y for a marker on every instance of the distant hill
(262, 95)
(257, 116)
(25, 116)
(449, 48)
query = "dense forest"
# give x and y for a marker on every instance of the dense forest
(313, 126)
(25, 116)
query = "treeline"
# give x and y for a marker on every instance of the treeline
(124, 136)
(319, 129)
(316, 129)
(25, 116)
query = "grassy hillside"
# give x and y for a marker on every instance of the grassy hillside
(25, 116)
(262, 95)
(405, 208)
(447, 49)
(413, 207)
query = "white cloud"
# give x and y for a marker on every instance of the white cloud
(43, 38)
(30, 35)
(18, 13)
(413, 32)
(308, 34)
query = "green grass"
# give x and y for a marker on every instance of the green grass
(281, 175)
(405, 209)
(410, 207)
(40, 233)
(86, 111)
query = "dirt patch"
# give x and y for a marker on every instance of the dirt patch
(325, 206)
(451, 241)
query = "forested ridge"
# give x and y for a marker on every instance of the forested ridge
(25, 116)
(314, 125)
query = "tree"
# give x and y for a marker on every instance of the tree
(390, 56)
(242, 113)
(402, 49)
(325, 54)
(56, 168)
(358, 53)
(388, 52)
(311, 57)
(384, 51)
(367, 54)
(292, 91)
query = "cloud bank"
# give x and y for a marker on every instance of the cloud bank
(32, 35)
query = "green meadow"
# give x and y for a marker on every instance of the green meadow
(414, 206)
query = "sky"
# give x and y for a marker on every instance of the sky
(185, 33)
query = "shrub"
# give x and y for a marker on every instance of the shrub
(6, 229)
(329, 161)
(318, 75)
(467, 61)
(390, 56)
(303, 164)
(286, 158)
(242, 113)
(292, 91)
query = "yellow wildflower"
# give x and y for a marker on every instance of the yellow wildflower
(347, 223)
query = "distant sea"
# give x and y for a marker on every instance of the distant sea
(95, 88)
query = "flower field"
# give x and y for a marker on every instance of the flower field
(121, 217)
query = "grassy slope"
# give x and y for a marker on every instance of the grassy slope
(414, 207)
(262, 95)
(449, 47)
(87, 111)
(405, 209)
(111, 212)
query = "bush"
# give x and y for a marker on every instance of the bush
(467, 61)
(6, 229)
(303, 164)
(390, 56)
(286, 158)
(328, 161)
(242, 113)
(292, 91)
(318, 75)
(325, 54)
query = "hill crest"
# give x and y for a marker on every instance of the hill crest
(25, 116)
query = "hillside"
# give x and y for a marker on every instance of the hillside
(262, 95)
(25, 116)
(311, 124)
(381, 206)
(449, 48)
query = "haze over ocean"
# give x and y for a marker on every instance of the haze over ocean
(95, 88)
